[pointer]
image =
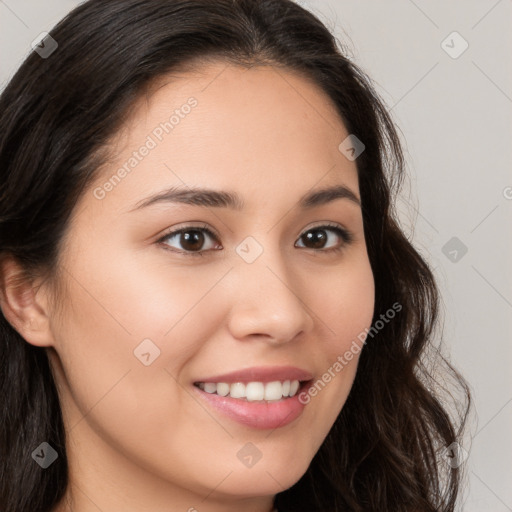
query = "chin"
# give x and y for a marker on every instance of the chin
(266, 479)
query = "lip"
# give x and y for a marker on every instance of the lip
(261, 374)
(257, 415)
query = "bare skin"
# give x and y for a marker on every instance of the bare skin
(138, 438)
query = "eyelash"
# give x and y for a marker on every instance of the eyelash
(345, 235)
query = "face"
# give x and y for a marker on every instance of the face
(185, 316)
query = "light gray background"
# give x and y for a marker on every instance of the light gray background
(455, 115)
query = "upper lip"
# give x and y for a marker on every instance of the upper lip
(261, 374)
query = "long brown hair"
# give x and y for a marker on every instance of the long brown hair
(385, 451)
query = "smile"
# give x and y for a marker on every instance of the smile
(253, 391)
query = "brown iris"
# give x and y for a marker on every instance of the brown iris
(192, 239)
(316, 237)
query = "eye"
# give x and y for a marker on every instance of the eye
(192, 240)
(326, 238)
(195, 240)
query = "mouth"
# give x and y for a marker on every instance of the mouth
(254, 391)
(259, 398)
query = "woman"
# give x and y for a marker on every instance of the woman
(207, 302)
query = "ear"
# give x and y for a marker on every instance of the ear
(24, 304)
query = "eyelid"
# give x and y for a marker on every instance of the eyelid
(186, 226)
(324, 224)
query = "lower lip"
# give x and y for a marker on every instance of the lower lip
(258, 415)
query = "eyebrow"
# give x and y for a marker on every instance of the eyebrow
(225, 199)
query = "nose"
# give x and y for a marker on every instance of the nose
(268, 301)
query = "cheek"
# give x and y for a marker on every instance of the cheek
(138, 294)
(110, 397)
(345, 306)
(344, 301)
(128, 330)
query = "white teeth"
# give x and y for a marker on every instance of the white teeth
(273, 390)
(223, 389)
(286, 388)
(237, 390)
(210, 387)
(253, 391)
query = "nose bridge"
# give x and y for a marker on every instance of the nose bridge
(266, 298)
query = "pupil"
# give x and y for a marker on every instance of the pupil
(192, 240)
(317, 238)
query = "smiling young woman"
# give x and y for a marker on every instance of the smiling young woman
(197, 238)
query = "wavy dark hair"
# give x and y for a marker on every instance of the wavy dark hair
(385, 451)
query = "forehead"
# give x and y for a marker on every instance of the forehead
(261, 128)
